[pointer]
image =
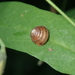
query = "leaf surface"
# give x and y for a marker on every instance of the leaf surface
(18, 19)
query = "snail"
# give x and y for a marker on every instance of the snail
(39, 35)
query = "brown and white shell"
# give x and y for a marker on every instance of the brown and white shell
(39, 35)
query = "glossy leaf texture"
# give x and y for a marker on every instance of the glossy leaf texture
(18, 19)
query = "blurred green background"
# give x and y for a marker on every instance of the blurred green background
(19, 63)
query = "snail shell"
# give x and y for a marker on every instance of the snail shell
(39, 35)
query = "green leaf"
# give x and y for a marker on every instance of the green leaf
(2, 57)
(18, 19)
(71, 13)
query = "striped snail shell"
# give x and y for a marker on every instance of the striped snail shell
(39, 35)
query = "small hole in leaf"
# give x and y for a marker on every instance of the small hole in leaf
(0, 46)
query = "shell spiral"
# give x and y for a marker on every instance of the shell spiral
(39, 35)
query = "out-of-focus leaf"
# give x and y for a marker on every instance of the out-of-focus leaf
(71, 13)
(2, 57)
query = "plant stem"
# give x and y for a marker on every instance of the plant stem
(61, 12)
